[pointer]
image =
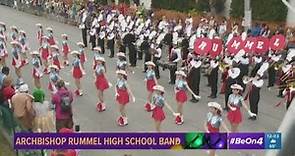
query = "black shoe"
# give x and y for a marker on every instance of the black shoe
(171, 83)
(252, 118)
(213, 97)
(194, 100)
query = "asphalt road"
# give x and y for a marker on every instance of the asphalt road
(90, 120)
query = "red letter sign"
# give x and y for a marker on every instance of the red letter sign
(202, 46)
(277, 42)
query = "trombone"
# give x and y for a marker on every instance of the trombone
(247, 79)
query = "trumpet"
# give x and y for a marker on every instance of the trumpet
(247, 79)
(223, 66)
(278, 65)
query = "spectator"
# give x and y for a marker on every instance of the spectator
(8, 90)
(62, 100)
(22, 107)
(44, 117)
(4, 72)
(64, 152)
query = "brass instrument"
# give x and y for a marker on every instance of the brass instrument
(247, 79)
(287, 74)
(223, 66)
(278, 65)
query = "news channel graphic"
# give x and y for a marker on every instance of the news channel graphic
(135, 141)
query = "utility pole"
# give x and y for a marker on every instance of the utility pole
(247, 14)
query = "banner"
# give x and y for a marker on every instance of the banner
(256, 45)
(190, 140)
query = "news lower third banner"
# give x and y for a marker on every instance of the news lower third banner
(191, 140)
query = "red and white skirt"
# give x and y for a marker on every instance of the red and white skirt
(101, 83)
(181, 96)
(150, 84)
(56, 62)
(212, 129)
(66, 50)
(14, 63)
(123, 96)
(35, 74)
(83, 58)
(158, 114)
(44, 54)
(235, 117)
(77, 73)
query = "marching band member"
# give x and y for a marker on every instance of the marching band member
(111, 43)
(51, 40)
(14, 33)
(174, 58)
(101, 37)
(55, 54)
(284, 76)
(17, 62)
(24, 45)
(101, 82)
(3, 51)
(151, 81)
(77, 72)
(45, 54)
(289, 93)
(3, 31)
(194, 75)
(92, 34)
(122, 96)
(40, 33)
(158, 103)
(274, 58)
(244, 67)
(37, 71)
(235, 102)
(156, 57)
(53, 78)
(213, 77)
(258, 62)
(65, 49)
(181, 96)
(96, 54)
(214, 121)
(82, 56)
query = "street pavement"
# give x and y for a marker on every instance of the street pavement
(85, 114)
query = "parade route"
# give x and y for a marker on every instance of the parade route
(85, 114)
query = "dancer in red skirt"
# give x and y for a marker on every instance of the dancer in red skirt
(214, 121)
(96, 54)
(24, 45)
(235, 102)
(180, 89)
(65, 49)
(14, 33)
(17, 62)
(122, 96)
(151, 81)
(51, 40)
(101, 82)
(37, 71)
(77, 72)
(53, 78)
(157, 105)
(40, 33)
(45, 55)
(83, 58)
(3, 31)
(3, 50)
(55, 54)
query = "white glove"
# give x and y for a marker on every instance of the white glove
(153, 107)
(133, 99)
(176, 114)
(233, 108)
(110, 84)
(116, 95)
(197, 96)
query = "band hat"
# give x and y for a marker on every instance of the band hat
(159, 88)
(80, 44)
(13, 27)
(75, 52)
(14, 43)
(122, 72)
(49, 29)
(99, 58)
(54, 47)
(236, 86)
(35, 53)
(150, 63)
(39, 25)
(54, 66)
(64, 35)
(120, 54)
(97, 49)
(180, 73)
(2, 23)
(22, 32)
(215, 105)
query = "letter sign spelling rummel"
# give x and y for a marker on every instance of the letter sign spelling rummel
(216, 47)
(234, 45)
(202, 46)
(277, 42)
(249, 44)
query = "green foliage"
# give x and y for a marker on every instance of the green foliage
(268, 10)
